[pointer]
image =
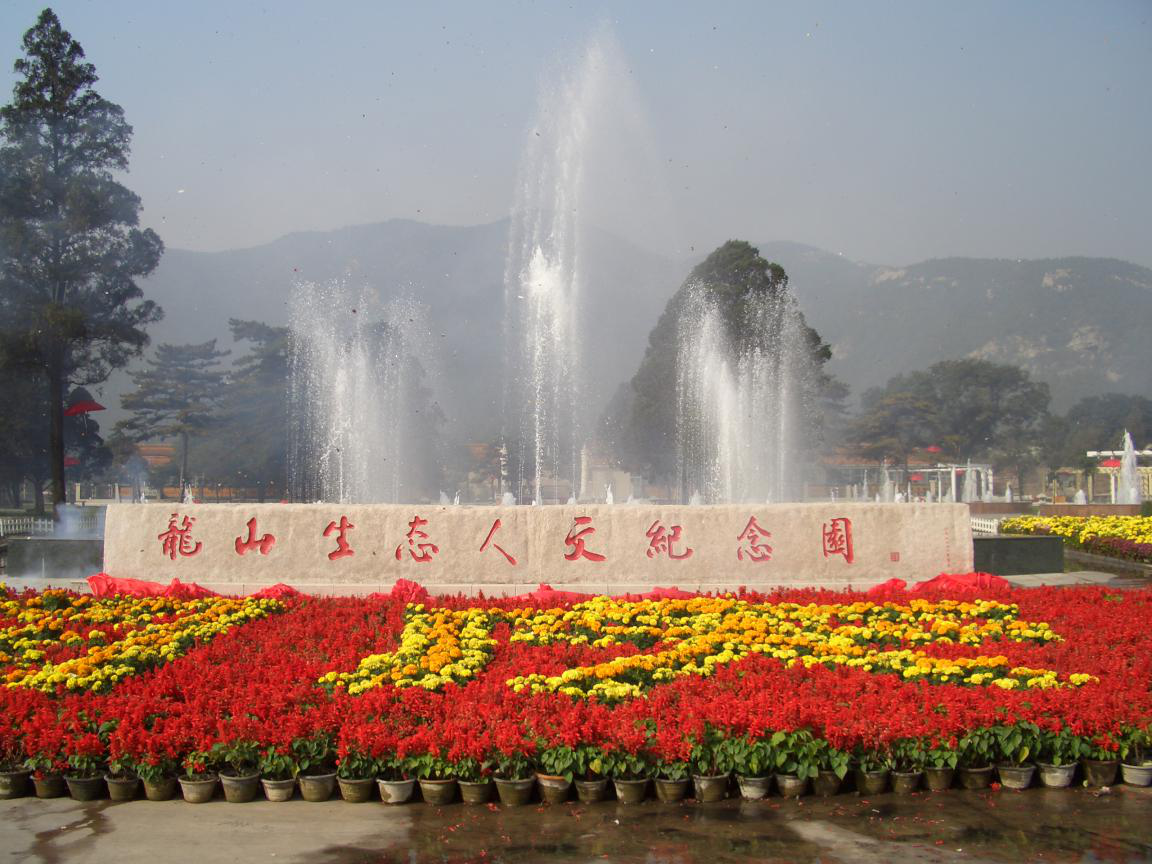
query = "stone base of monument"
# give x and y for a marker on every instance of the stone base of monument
(1010, 555)
(51, 558)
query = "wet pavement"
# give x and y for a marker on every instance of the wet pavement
(1000, 826)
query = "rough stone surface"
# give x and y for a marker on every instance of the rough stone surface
(908, 541)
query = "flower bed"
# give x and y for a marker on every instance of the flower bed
(1128, 537)
(791, 683)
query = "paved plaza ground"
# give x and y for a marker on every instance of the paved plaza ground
(953, 826)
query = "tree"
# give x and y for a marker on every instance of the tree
(971, 409)
(732, 276)
(176, 396)
(249, 443)
(1098, 423)
(70, 251)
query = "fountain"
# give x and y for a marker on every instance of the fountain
(1080, 497)
(363, 430)
(1128, 483)
(740, 406)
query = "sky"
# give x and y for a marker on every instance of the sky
(889, 132)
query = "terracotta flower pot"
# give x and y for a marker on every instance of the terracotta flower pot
(791, 786)
(591, 791)
(1016, 776)
(122, 788)
(753, 788)
(1134, 775)
(825, 784)
(515, 793)
(163, 789)
(1057, 776)
(317, 787)
(670, 791)
(871, 782)
(906, 782)
(1100, 772)
(939, 779)
(278, 790)
(198, 791)
(86, 788)
(239, 790)
(439, 792)
(397, 791)
(50, 786)
(14, 784)
(476, 792)
(630, 791)
(553, 789)
(976, 778)
(356, 790)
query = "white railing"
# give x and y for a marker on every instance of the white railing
(26, 525)
(43, 526)
(985, 525)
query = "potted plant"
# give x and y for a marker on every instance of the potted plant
(629, 772)
(1058, 757)
(514, 777)
(121, 777)
(711, 762)
(1101, 760)
(396, 777)
(907, 758)
(278, 773)
(796, 761)
(315, 768)
(753, 761)
(437, 777)
(976, 751)
(1136, 752)
(940, 762)
(671, 779)
(158, 774)
(831, 768)
(240, 774)
(356, 774)
(589, 780)
(474, 776)
(872, 770)
(86, 759)
(198, 782)
(1015, 743)
(555, 769)
(44, 743)
(14, 771)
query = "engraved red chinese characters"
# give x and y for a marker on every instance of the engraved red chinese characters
(664, 541)
(419, 550)
(838, 538)
(753, 543)
(264, 544)
(340, 529)
(177, 540)
(488, 541)
(575, 541)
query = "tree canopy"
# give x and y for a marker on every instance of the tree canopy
(70, 249)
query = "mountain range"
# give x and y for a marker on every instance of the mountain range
(1080, 324)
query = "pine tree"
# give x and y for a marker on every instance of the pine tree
(176, 396)
(70, 251)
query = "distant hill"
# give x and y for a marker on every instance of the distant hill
(1078, 323)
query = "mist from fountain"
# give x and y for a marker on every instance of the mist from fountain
(740, 407)
(359, 387)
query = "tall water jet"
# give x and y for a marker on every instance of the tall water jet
(1128, 482)
(584, 139)
(744, 373)
(363, 423)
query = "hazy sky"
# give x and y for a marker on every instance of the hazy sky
(890, 132)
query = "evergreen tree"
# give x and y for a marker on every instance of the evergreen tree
(70, 251)
(176, 396)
